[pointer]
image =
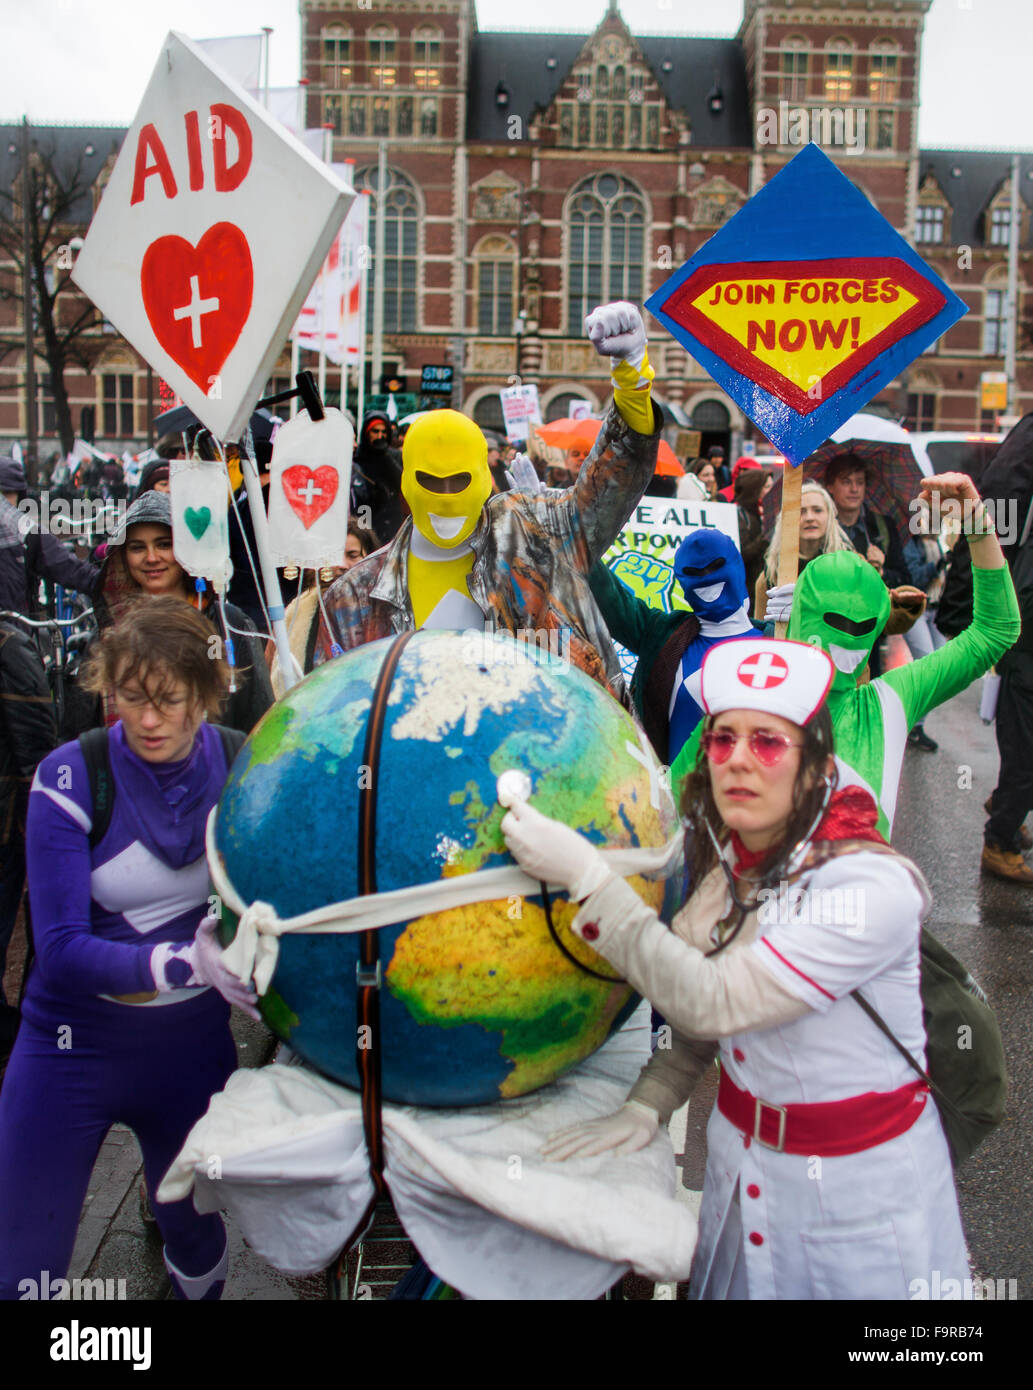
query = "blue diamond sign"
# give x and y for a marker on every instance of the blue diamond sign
(805, 304)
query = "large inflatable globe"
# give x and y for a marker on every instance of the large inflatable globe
(477, 1001)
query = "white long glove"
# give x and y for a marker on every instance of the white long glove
(550, 851)
(617, 331)
(522, 475)
(780, 603)
(624, 1132)
(200, 962)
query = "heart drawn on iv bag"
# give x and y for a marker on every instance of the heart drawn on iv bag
(197, 519)
(310, 492)
(198, 298)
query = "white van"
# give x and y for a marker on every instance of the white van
(946, 451)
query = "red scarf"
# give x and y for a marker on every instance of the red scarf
(851, 815)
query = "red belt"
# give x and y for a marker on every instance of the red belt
(828, 1130)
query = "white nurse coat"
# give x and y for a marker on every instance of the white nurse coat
(871, 1224)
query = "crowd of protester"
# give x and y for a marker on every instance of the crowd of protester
(167, 710)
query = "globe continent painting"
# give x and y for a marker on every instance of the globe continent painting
(477, 1002)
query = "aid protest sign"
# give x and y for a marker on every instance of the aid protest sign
(805, 304)
(211, 229)
(642, 556)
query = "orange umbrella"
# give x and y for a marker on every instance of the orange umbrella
(566, 434)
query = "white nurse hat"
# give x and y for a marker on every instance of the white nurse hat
(790, 679)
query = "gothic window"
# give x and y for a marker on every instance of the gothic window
(885, 129)
(794, 69)
(381, 116)
(403, 116)
(839, 72)
(607, 222)
(401, 257)
(495, 259)
(428, 116)
(426, 47)
(883, 75)
(336, 43)
(652, 126)
(333, 107)
(357, 116)
(383, 50)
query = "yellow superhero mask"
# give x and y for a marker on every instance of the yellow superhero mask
(445, 476)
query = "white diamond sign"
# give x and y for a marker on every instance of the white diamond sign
(211, 229)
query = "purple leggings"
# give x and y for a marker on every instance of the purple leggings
(151, 1068)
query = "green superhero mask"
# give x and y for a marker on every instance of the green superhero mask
(842, 605)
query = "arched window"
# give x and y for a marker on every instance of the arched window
(495, 262)
(839, 71)
(606, 246)
(401, 256)
(426, 57)
(487, 412)
(710, 417)
(883, 72)
(336, 41)
(383, 56)
(995, 313)
(559, 407)
(795, 57)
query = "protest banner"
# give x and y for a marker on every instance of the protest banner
(212, 227)
(642, 556)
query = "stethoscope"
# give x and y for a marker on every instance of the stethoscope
(781, 870)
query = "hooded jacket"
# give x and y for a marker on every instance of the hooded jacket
(115, 590)
(28, 555)
(376, 481)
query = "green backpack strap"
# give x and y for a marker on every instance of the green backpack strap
(965, 1066)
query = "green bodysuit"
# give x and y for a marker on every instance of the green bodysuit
(841, 604)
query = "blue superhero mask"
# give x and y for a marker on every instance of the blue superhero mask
(710, 571)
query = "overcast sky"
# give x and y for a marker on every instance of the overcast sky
(89, 60)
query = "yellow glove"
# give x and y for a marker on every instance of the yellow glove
(631, 394)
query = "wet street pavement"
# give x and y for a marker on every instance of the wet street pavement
(987, 923)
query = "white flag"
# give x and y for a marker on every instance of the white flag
(331, 316)
(240, 57)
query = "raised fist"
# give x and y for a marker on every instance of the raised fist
(617, 330)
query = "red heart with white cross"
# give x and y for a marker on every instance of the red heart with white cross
(198, 298)
(762, 671)
(310, 491)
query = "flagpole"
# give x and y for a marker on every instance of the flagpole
(327, 156)
(270, 579)
(363, 296)
(789, 553)
(378, 269)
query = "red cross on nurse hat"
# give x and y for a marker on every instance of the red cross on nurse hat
(775, 677)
